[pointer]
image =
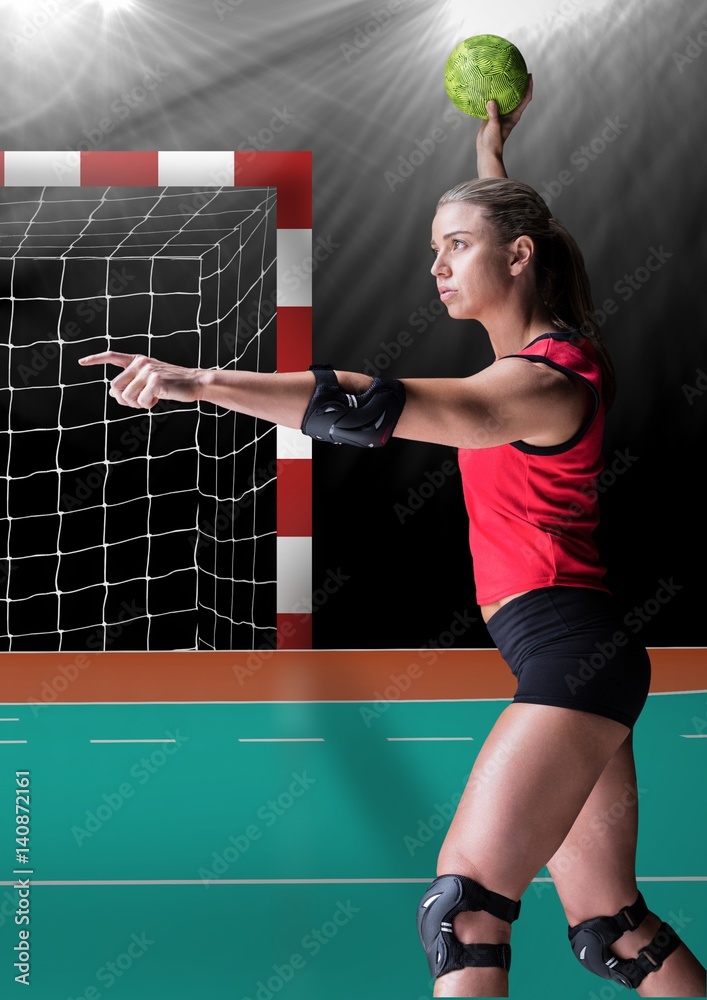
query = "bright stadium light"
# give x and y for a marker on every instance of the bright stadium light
(53, 49)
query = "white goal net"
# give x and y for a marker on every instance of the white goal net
(123, 528)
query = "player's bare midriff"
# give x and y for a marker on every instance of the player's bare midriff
(490, 609)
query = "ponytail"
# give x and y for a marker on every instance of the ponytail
(563, 283)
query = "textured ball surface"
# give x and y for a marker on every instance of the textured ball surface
(485, 68)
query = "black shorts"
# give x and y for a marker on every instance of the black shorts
(570, 647)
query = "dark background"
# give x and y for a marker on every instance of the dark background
(361, 85)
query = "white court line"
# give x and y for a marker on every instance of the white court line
(9, 720)
(654, 878)
(659, 694)
(674, 878)
(12, 741)
(132, 741)
(292, 701)
(276, 701)
(694, 736)
(422, 739)
(281, 739)
(304, 881)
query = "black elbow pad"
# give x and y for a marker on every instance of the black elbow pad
(366, 421)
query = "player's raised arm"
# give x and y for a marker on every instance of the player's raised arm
(493, 133)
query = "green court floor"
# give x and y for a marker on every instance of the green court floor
(214, 864)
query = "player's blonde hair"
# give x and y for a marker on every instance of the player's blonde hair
(515, 209)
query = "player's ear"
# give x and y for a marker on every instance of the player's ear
(520, 254)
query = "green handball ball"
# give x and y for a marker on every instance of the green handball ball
(485, 68)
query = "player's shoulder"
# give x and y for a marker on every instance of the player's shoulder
(532, 395)
(557, 343)
(516, 376)
(554, 358)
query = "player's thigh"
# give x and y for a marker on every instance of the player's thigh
(529, 782)
(594, 868)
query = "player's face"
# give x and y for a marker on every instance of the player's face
(467, 261)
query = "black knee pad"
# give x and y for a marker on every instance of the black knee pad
(447, 896)
(592, 939)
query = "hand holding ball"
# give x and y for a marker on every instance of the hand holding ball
(485, 68)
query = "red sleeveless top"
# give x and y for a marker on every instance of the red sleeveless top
(533, 511)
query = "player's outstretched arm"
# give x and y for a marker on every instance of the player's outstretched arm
(493, 133)
(505, 402)
(279, 397)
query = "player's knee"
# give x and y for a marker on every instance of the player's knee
(451, 942)
(593, 942)
(579, 905)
